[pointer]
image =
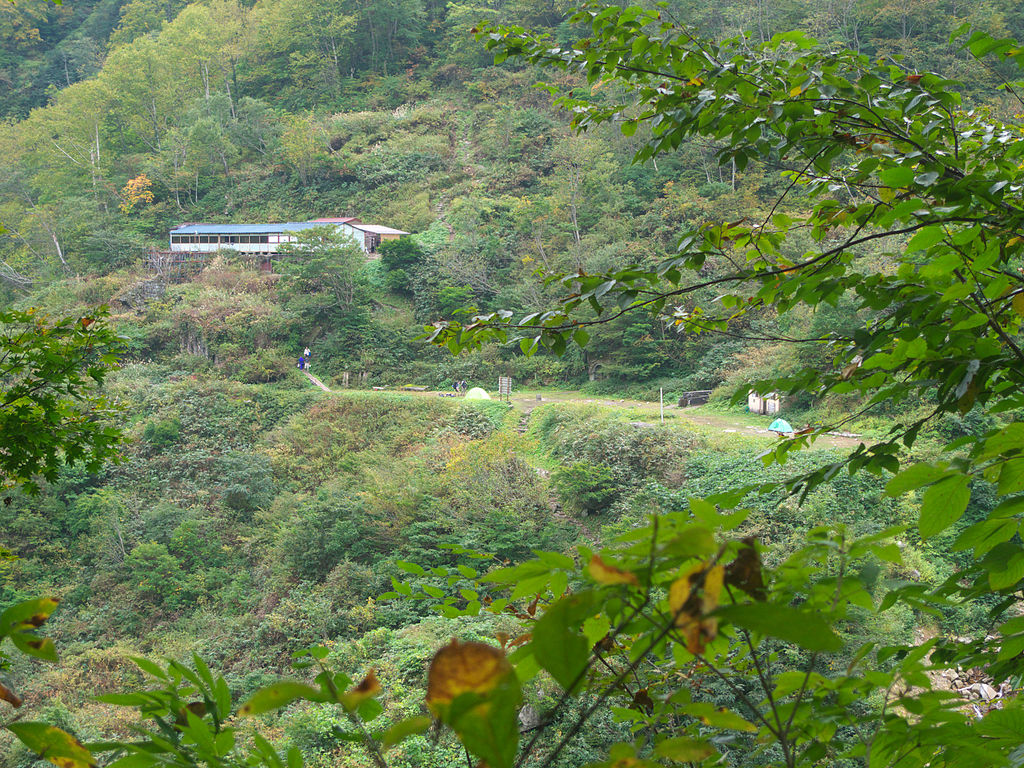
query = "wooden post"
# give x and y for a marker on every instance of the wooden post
(661, 400)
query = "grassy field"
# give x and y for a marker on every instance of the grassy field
(715, 419)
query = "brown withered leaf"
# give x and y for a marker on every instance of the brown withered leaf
(606, 574)
(521, 639)
(745, 572)
(642, 700)
(367, 688)
(531, 609)
(6, 694)
(460, 668)
(197, 708)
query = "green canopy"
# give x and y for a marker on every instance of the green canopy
(780, 425)
(476, 393)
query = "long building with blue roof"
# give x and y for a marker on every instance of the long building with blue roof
(266, 239)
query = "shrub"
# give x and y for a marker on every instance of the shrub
(264, 365)
(157, 576)
(585, 486)
(478, 421)
(162, 434)
(245, 481)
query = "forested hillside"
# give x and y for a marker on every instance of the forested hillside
(248, 522)
(673, 568)
(392, 111)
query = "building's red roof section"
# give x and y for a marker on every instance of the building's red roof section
(337, 220)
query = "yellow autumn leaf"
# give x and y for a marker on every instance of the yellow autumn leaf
(679, 592)
(606, 574)
(796, 90)
(691, 597)
(460, 668)
(1018, 304)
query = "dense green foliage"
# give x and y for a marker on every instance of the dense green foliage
(255, 520)
(51, 412)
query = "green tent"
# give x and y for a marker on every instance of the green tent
(477, 394)
(780, 426)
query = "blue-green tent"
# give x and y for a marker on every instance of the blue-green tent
(780, 426)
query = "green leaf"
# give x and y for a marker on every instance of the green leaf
(985, 534)
(200, 732)
(37, 647)
(27, 615)
(369, 709)
(413, 568)
(1009, 438)
(557, 643)
(135, 760)
(914, 477)
(1011, 477)
(51, 743)
(804, 628)
(1006, 725)
(278, 695)
(718, 717)
(943, 504)
(926, 237)
(899, 176)
(403, 729)
(1007, 573)
(1010, 647)
(488, 724)
(149, 667)
(684, 750)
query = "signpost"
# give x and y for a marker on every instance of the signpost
(505, 387)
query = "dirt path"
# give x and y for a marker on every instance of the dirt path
(315, 380)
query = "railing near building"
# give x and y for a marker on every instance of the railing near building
(696, 397)
(175, 265)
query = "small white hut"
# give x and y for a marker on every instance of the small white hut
(767, 404)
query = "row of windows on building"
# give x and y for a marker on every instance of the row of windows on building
(230, 239)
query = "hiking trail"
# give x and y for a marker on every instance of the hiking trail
(315, 380)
